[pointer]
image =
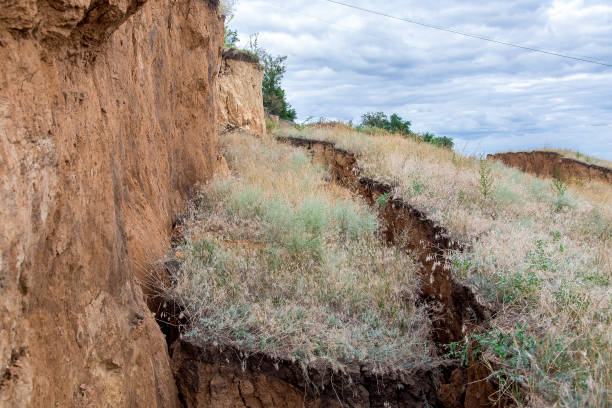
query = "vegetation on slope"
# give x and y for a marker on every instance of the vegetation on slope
(276, 260)
(539, 250)
(570, 154)
(274, 68)
(395, 124)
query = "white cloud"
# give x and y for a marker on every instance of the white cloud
(344, 62)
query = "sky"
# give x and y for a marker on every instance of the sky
(344, 62)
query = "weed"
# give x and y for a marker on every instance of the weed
(417, 188)
(518, 286)
(485, 178)
(383, 199)
(559, 187)
(539, 257)
(461, 267)
(457, 350)
(351, 222)
(271, 125)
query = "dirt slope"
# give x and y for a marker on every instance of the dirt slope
(106, 122)
(240, 101)
(551, 164)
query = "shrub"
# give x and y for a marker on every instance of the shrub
(393, 124)
(559, 187)
(396, 125)
(485, 178)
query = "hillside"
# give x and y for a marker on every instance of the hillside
(160, 248)
(565, 165)
(538, 251)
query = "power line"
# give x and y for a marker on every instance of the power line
(329, 23)
(478, 37)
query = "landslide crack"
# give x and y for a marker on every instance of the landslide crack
(455, 307)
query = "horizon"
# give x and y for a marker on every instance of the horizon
(489, 98)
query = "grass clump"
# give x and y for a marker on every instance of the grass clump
(539, 250)
(271, 125)
(275, 260)
(485, 179)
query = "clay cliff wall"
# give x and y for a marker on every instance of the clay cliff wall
(551, 164)
(107, 122)
(240, 100)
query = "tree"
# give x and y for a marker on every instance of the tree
(398, 125)
(394, 124)
(374, 119)
(274, 97)
(274, 68)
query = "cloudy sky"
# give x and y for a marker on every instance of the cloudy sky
(344, 62)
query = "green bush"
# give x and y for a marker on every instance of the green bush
(393, 124)
(231, 37)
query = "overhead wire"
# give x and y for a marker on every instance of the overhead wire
(335, 25)
(474, 36)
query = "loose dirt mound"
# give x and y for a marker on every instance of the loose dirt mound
(106, 123)
(551, 164)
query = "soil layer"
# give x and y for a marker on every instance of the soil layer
(551, 164)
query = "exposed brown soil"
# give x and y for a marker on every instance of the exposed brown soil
(107, 121)
(238, 55)
(210, 376)
(455, 307)
(239, 103)
(552, 164)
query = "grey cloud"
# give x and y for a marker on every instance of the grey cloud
(343, 63)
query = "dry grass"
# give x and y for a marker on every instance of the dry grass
(276, 261)
(570, 154)
(541, 252)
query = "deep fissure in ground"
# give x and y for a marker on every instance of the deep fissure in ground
(456, 310)
(209, 372)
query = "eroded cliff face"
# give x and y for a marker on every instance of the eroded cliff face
(551, 164)
(107, 121)
(240, 100)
